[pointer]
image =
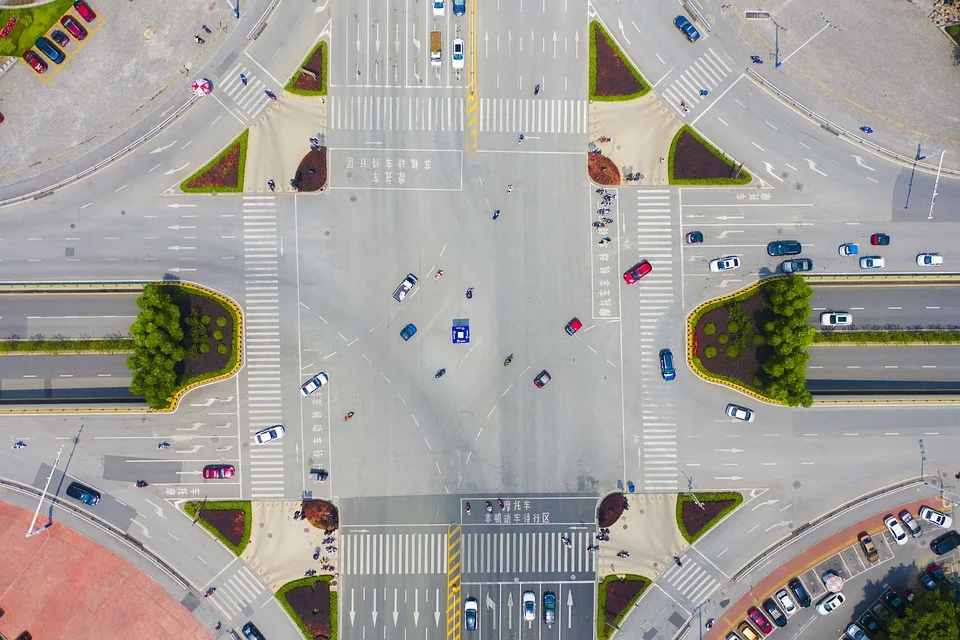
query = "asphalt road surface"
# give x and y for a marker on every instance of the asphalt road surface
(899, 306)
(92, 315)
(95, 378)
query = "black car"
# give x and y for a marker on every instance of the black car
(83, 493)
(799, 592)
(895, 602)
(796, 265)
(251, 632)
(774, 612)
(869, 623)
(60, 37)
(784, 248)
(927, 580)
(935, 572)
(945, 543)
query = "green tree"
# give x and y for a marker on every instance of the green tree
(788, 335)
(932, 614)
(157, 347)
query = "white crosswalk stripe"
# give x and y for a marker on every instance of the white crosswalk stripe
(396, 113)
(393, 553)
(693, 581)
(531, 116)
(528, 552)
(706, 72)
(237, 592)
(250, 97)
(262, 341)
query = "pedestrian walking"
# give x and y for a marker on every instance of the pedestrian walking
(206, 28)
(677, 560)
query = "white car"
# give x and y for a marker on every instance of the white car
(725, 263)
(737, 412)
(786, 602)
(458, 53)
(855, 632)
(836, 319)
(830, 603)
(848, 249)
(895, 528)
(314, 383)
(270, 433)
(936, 517)
(438, 8)
(871, 262)
(529, 606)
(929, 260)
(405, 287)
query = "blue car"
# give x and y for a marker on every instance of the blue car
(688, 29)
(50, 50)
(408, 331)
(666, 365)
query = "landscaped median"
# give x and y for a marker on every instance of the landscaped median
(60, 345)
(223, 174)
(694, 520)
(616, 596)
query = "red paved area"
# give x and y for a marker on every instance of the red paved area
(816, 554)
(60, 585)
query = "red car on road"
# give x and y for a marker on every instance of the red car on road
(637, 271)
(218, 471)
(880, 239)
(32, 59)
(760, 620)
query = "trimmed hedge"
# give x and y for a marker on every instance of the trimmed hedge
(322, 45)
(745, 176)
(684, 498)
(241, 167)
(60, 345)
(594, 27)
(604, 630)
(191, 509)
(889, 336)
(307, 582)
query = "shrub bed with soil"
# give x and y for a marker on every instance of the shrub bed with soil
(59, 344)
(223, 174)
(612, 78)
(693, 521)
(312, 605)
(321, 514)
(313, 81)
(694, 161)
(312, 171)
(610, 510)
(618, 594)
(602, 169)
(229, 522)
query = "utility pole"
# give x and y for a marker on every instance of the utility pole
(935, 184)
(690, 492)
(776, 44)
(31, 531)
(923, 458)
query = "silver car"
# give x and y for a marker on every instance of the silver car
(405, 287)
(270, 433)
(737, 412)
(529, 606)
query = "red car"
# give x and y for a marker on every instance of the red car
(218, 471)
(760, 620)
(34, 61)
(84, 10)
(637, 271)
(573, 326)
(75, 28)
(880, 239)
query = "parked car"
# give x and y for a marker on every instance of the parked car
(797, 265)
(470, 610)
(637, 271)
(694, 237)
(218, 471)
(869, 623)
(270, 433)
(855, 632)
(895, 528)
(737, 412)
(895, 602)
(408, 331)
(848, 249)
(836, 319)
(912, 525)
(459, 7)
(457, 53)
(726, 263)
(76, 29)
(871, 262)
(869, 548)
(733, 636)
(83, 493)
(936, 572)
(945, 543)
(59, 37)
(786, 602)
(799, 592)
(927, 580)
(936, 517)
(542, 379)
(250, 632)
(35, 61)
(50, 50)
(405, 287)
(830, 603)
(666, 365)
(549, 608)
(573, 326)
(746, 631)
(784, 248)
(686, 28)
(529, 606)
(84, 10)
(314, 383)
(879, 239)
(760, 620)
(774, 612)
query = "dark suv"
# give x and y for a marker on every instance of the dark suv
(945, 543)
(83, 493)
(799, 592)
(251, 632)
(784, 248)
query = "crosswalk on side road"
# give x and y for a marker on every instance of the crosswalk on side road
(693, 582)
(396, 113)
(249, 98)
(706, 73)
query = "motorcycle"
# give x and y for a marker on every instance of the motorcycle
(439, 373)
(141, 483)
(467, 507)
(496, 214)
(489, 507)
(310, 573)
(607, 220)
(470, 293)
(438, 275)
(600, 225)
(19, 444)
(508, 360)
(605, 240)
(605, 139)
(566, 542)
(536, 90)
(163, 445)
(756, 59)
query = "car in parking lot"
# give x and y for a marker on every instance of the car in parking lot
(935, 571)
(84, 10)
(405, 287)
(59, 37)
(637, 271)
(785, 602)
(573, 326)
(681, 22)
(945, 543)
(218, 471)
(879, 239)
(270, 433)
(869, 623)
(895, 602)
(797, 265)
(895, 528)
(459, 7)
(774, 612)
(666, 365)
(83, 493)
(760, 620)
(694, 237)
(784, 248)
(799, 592)
(929, 260)
(314, 383)
(927, 580)
(830, 603)
(871, 262)
(726, 263)
(733, 636)
(76, 29)
(549, 608)
(35, 61)
(408, 331)
(737, 412)
(935, 517)
(855, 632)
(869, 548)
(470, 609)
(457, 53)
(836, 319)
(848, 249)
(529, 606)
(50, 50)
(542, 379)
(912, 525)
(746, 631)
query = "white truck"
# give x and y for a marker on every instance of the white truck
(435, 54)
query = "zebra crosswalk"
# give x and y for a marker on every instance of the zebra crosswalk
(396, 113)
(393, 553)
(706, 72)
(262, 341)
(533, 116)
(235, 594)
(249, 98)
(693, 581)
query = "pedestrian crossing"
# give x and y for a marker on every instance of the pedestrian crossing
(393, 553)
(396, 113)
(706, 72)
(262, 341)
(235, 594)
(518, 115)
(249, 98)
(693, 581)
(654, 241)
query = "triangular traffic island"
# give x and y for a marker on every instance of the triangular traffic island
(694, 519)
(312, 605)
(617, 596)
(229, 522)
(694, 161)
(223, 174)
(612, 77)
(311, 79)
(312, 171)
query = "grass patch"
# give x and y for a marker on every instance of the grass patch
(693, 522)
(296, 610)
(625, 590)
(223, 174)
(612, 77)
(56, 345)
(214, 525)
(694, 161)
(32, 22)
(305, 84)
(889, 336)
(954, 32)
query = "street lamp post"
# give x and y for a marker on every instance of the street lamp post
(776, 44)
(31, 531)
(935, 185)
(690, 492)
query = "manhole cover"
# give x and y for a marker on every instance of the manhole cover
(148, 33)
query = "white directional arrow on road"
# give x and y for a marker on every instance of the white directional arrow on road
(179, 269)
(727, 478)
(374, 606)
(575, 528)
(436, 614)
(172, 171)
(510, 611)
(353, 611)
(765, 504)
(377, 41)
(569, 608)
(159, 149)
(724, 217)
(208, 403)
(157, 508)
(395, 612)
(178, 227)
(554, 44)
(193, 427)
(195, 448)
(622, 31)
(177, 205)
(782, 523)
(416, 607)
(860, 164)
(770, 171)
(729, 451)
(322, 7)
(813, 167)
(725, 283)
(358, 35)
(723, 234)
(493, 607)
(486, 44)
(177, 247)
(694, 258)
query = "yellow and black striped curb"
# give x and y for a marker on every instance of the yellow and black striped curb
(454, 566)
(932, 279)
(887, 400)
(85, 288)
(472, 103)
